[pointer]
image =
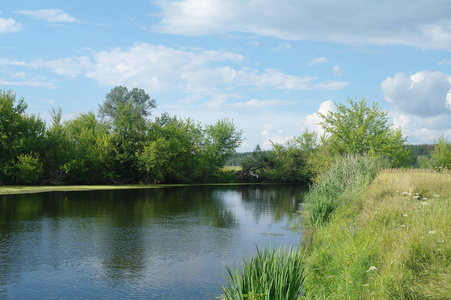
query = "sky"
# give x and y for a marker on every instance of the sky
(268, 65)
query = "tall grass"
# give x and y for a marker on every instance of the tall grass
(343, 182)
(391, 242)
(272, 274)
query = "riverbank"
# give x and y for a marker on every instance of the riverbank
(369, 234)
(24, 189)
(392, 241)
(8, 190)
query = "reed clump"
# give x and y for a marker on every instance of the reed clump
(271, 274)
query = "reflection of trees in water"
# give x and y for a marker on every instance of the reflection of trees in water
(277, 202)
(126, 232)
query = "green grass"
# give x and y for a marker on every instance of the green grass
(272, 274)
(387, 243)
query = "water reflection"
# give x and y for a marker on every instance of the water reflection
(157, 243)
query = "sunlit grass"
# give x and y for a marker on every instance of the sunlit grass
(392, 242)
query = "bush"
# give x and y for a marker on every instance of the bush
(27, 169)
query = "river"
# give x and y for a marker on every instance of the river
(168, 243)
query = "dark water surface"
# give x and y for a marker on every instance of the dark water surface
(170, 243)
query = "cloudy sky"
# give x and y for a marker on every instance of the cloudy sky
(269, 65)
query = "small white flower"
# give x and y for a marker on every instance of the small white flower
(405, 215)
(416, 194)
(372, 268)
(416, 197)
(431, 232)
(403, 225)
(425, 198)
(424, 203)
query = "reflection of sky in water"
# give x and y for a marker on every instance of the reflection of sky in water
(155, 244)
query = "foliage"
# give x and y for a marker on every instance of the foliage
(258, 161)
(441, 155)
(123, 146)
(360, 129)
(178, 150)
(125, 112)
(19, 133)
(271, 274)
(27, 169)
(91, 146)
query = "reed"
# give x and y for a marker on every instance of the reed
(270, 274)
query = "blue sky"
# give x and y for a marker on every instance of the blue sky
(268, 65)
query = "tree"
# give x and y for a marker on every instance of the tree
(222, 139)
(19, 134)
(90, 149)
(360, 129)
(125, 112)
(441, 155)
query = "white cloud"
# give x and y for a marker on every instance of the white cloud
(161, 68)
(413, 23)
(158, 68)
(424, 93)
(317, 60)
(35, 83)
(337, 71)
(70, 67)
(282, 47)
(9, 25)
(311, 122)
(259, 103)
(49, 15)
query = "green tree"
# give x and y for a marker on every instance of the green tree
(125, 112)
(441, 155)
(359, 128)
(90, 149)
(27, 169)
(172, 151)
(258, 161)
(58, 150)
(222, 139)
(19, 133)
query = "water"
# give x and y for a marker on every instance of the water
(170, 243)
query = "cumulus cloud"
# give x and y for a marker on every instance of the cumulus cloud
(158, 68)
(312, 120)
(49, 15)
(9, 25)
(424, 93)
(162, 68)
(413, 23)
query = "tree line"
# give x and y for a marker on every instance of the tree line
(119, 145)
(355, 128)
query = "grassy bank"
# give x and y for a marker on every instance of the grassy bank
(23, 189)
(367, 237)
(393, 241)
